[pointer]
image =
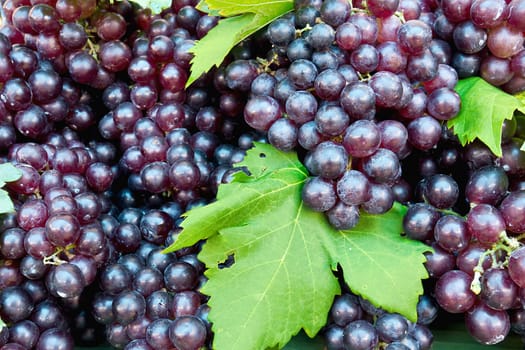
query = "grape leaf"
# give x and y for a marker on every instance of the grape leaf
(6, 205)
(250, 16)
(8, 173)
(156, 6)
(284, 255)
(229, 8)
(483, 110)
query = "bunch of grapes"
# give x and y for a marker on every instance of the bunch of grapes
(355, 88)
(488, 39)
(86, 165)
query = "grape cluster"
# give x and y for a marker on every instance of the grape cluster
(476, 262)
(354, 323)
(112, 150)
(150, 300)
(488, 39)
(356, 89)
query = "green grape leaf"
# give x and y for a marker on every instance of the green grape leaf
(6, 204)
(249, 17)
(8, 173)
(483, 110)
(227, 8)
(281, 280)
(156, 6)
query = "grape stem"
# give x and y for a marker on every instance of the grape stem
(506, 244)
(55, 259)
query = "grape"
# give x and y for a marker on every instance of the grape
(342, 216)
(485, 223)
(187, 332)
(16, 304)
(511, 209)
(498, 290)
(456, 11)
(348, 36)
(441, 191)
(487, 185)
(368, 26)
(345, 309)
(414, 37)
(422, 67)
(488, 13)
(391, 57)
(358, 100)
(468, 38)
(453, 292)
(329, 160)
(387, 88)
(362, 138)
(331, 120)
(321, 36)
(451, 233)
(424, 132)
(391, 327)
(495, 70)
(382, 167)
(55, 338)
(334, 12)
(318, 194)
(360, 335)
(419, 221)
(486, 325)
(505, 41)
(364, 58)
(381, 199)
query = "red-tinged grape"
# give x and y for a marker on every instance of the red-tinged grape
(486, 325)
(498, 289)
(505, 41)
(516, 11)
(488, 13)
(516, 267)
(512, 209)
(453, 292)
(451, 233)
(485, 223)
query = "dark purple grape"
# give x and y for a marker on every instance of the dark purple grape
(453, 292)
(318, 194)
(487, 185)
(486, 325)
(485, 223)
(498, 289)
(419, 221)
(360, 335)
(511, 209)
(55, 338)
(187, 332)
(451, 233)
(391, 327)
(15, 304)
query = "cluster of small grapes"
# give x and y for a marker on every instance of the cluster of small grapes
(60, 32)
(488, 39)
(477, 263)
(51, 248)
(354, 323)
(352, 87)
(150, 300)
(68, 240)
